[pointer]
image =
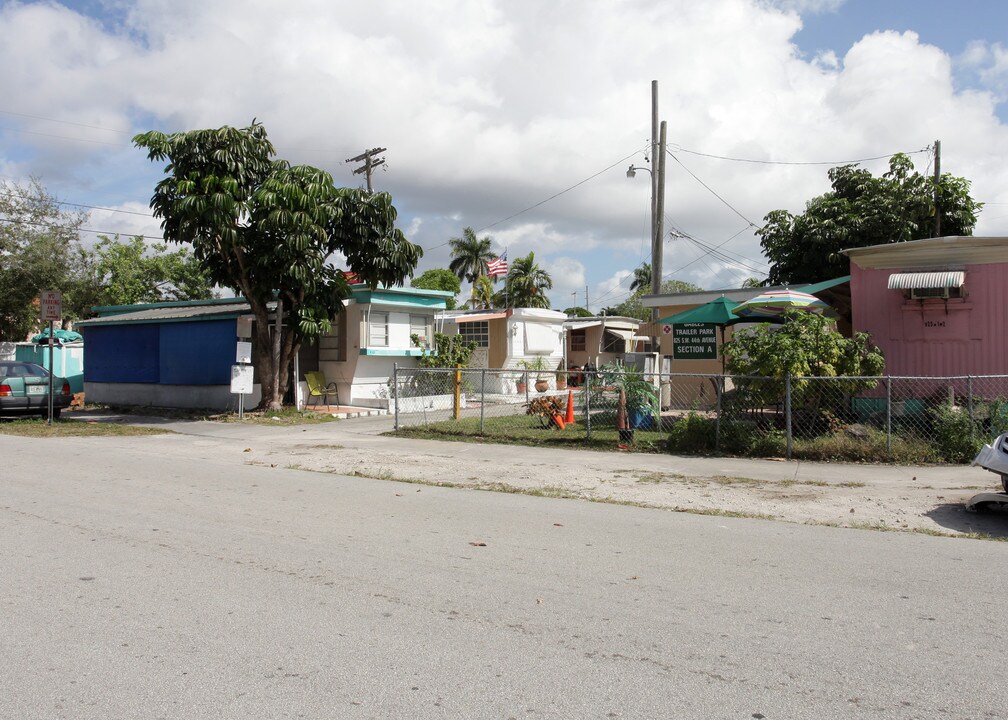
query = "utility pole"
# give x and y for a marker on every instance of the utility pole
(586, 299)
(937, 179)
(657, 209)
(369, 163)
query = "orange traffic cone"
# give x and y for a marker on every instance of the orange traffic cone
(558, 421)
(569, 417)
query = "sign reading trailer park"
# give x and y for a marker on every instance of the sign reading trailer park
(694, 341)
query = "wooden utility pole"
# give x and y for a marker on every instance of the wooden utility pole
(370, 162)
(937, 179)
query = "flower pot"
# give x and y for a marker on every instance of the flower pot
(521, 387)
(541, 385)
(561, 382)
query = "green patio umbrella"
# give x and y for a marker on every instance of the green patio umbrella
(717, 312)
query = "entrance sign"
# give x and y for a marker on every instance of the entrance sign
(51, 305)
(694, 341)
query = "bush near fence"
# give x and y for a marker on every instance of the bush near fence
(878, 419)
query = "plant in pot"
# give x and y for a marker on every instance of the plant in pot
(638, 398)
(539, 367)
(561, 377)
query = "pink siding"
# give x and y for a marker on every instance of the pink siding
(966, 336)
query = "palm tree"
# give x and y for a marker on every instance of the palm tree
(642, 278)
(470, 255)
(482, 294)
(527, 284)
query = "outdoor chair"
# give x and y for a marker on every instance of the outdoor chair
(319, 389)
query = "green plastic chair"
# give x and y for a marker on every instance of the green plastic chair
(319, 389)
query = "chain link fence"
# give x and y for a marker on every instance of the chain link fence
(881, 419)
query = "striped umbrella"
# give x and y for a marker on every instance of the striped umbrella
(774, 303)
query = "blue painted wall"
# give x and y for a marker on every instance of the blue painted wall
(121, 353)
(178, 353)
(198, 353)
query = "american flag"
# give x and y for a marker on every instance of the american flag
(498, 266)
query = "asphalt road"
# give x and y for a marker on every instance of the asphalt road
(157, 578)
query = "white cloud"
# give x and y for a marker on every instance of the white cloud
(489, 108)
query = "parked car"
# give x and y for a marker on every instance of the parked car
(24, 388)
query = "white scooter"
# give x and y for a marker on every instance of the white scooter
(993, 457)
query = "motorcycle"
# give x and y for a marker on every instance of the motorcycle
(994, 457)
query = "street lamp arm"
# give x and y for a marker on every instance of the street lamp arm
(631, 171)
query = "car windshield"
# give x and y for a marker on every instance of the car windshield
(22, 369)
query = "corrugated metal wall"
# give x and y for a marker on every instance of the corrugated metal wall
(967, 336)
(183, 353)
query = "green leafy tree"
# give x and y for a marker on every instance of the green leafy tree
(265, 228)
(526, 284)
(577, 311)
(439, 279)
(470, 256)
(447, 351)
(134, 272)
(806, 345)
(39, 250)
(633, 306)
(862, 210)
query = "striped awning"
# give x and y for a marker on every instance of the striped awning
(922, 280)
(478, 317)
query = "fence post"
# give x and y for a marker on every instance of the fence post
(969, 391)
(395, 393)
(587, 392)
(888, 415)
(719, 389)
(525, 375)
(482, 397)
(457, 393)
(787, 412)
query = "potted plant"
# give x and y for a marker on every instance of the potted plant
(561, 377)
(538, 366)
(638, 397)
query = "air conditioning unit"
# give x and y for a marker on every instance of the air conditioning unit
(929, 293)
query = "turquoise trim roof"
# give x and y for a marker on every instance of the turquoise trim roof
(392, 352)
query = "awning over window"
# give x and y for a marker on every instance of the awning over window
(542, 339)
(478, 317)
(626, 335)
(581, 325)
(924, 280)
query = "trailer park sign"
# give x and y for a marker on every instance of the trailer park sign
(694, 341)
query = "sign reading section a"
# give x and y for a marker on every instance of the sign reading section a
(694, 341)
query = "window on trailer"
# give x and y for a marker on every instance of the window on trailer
(478, 332)
(421, 325)
(378, 329)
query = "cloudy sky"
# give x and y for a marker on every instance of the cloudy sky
(519, 118)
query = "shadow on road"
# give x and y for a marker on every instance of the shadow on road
(986, 521)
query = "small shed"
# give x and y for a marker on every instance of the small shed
(175, 354)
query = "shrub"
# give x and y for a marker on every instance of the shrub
(957, 437)
(692, 434)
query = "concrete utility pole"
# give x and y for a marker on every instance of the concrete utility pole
(657, 209)
(369, 163)
(937, 179)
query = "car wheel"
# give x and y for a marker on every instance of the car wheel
(1004, 482)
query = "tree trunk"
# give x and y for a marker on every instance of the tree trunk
(276, 398)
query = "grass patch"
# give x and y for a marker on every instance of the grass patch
(74, 428)
(521, 429)
(286, 416)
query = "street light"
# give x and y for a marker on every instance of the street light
(631, 171)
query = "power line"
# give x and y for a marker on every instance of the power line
(90, 207)
(64, 122)
(82, 229)
(711, 191)
(680, 148)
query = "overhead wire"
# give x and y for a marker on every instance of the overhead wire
(680, 148)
